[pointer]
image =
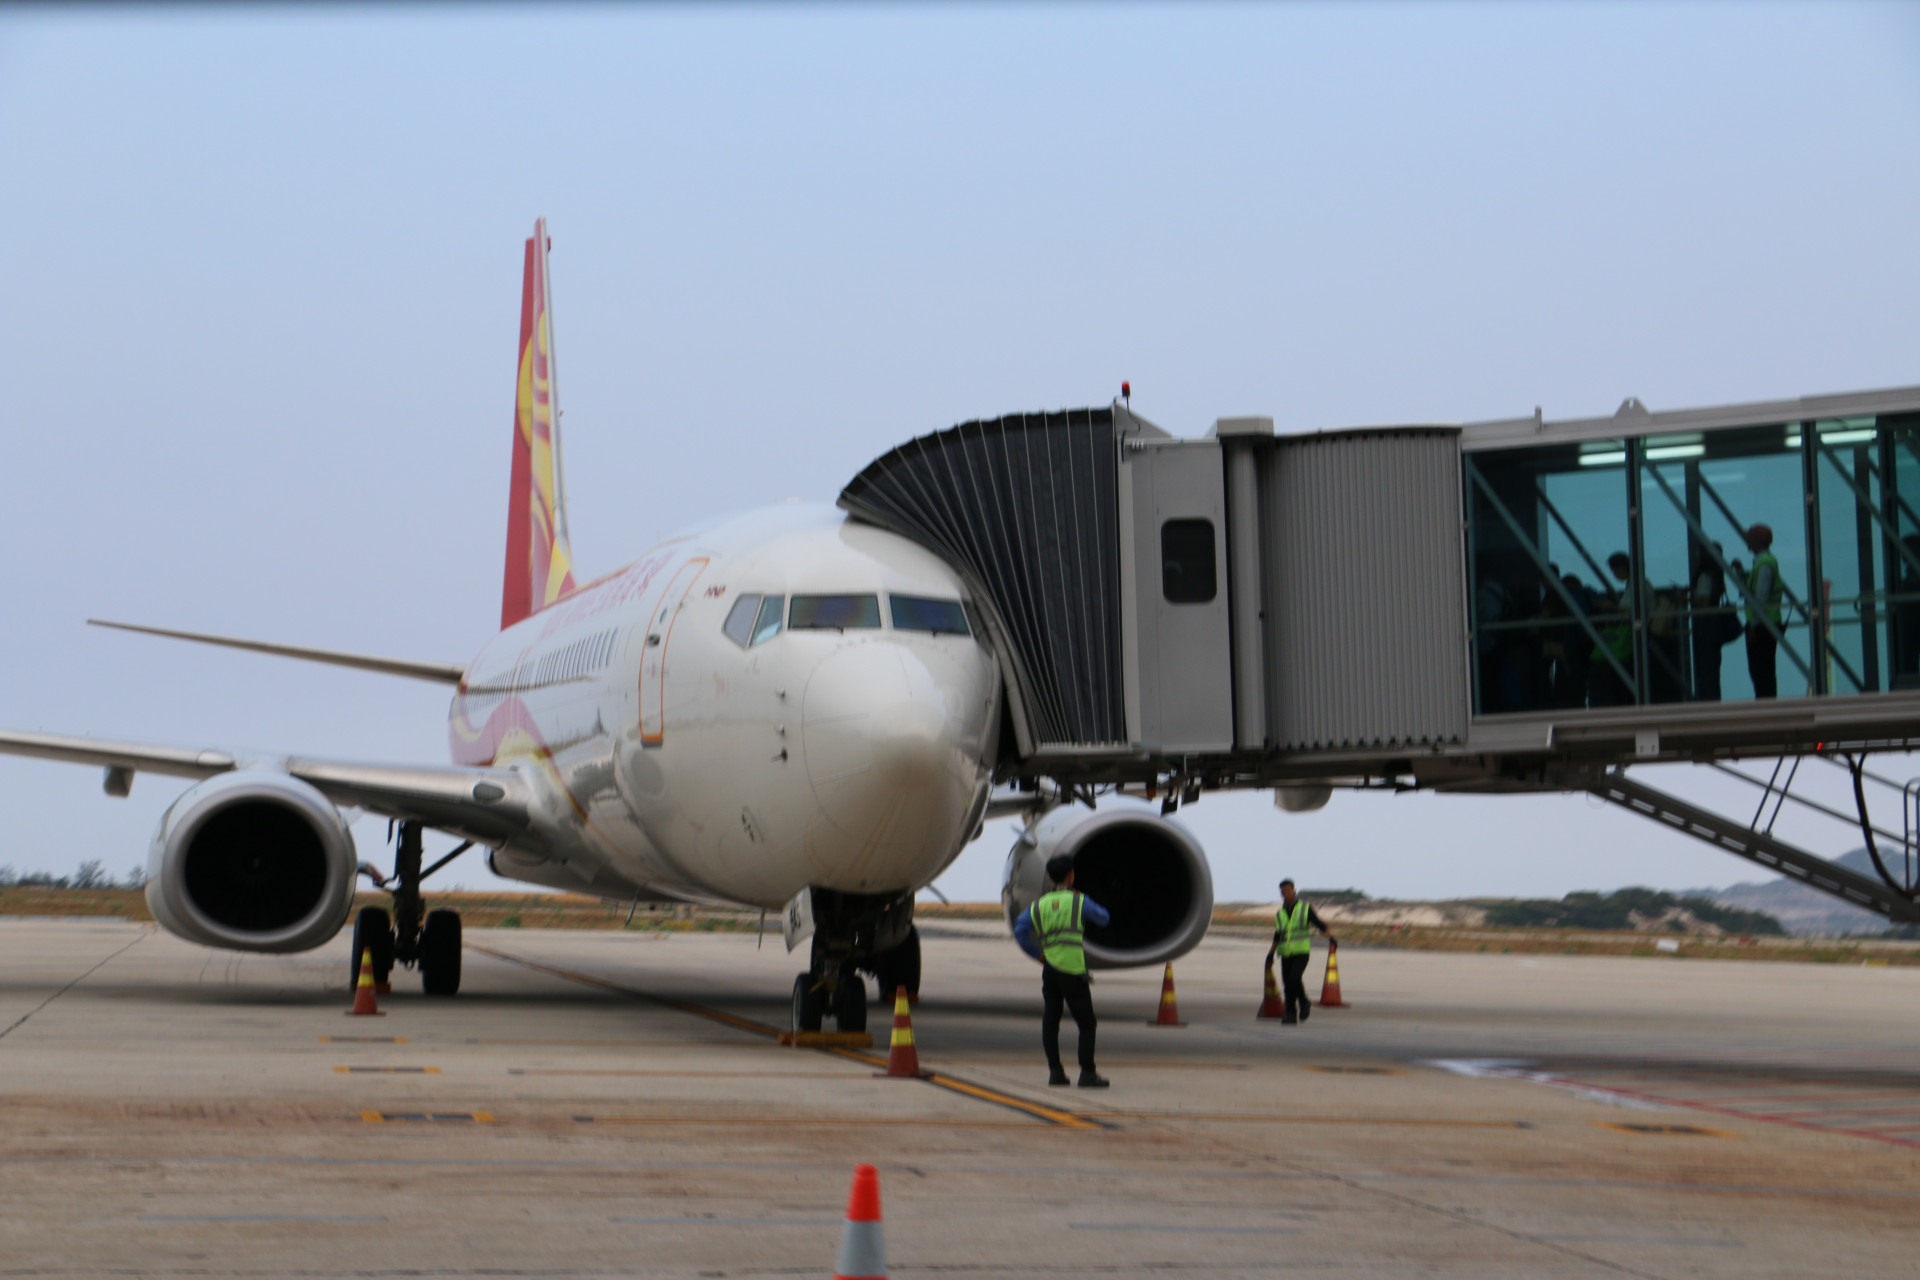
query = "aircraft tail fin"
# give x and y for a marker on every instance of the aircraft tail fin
(539, 567)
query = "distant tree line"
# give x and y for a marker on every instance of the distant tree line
(1617, 911)
(91, 875)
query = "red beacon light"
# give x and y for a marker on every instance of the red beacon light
(1126, 393)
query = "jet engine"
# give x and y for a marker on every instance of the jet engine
(252, 861)
(1147, 871)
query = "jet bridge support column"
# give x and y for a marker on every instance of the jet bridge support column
(1240, 437)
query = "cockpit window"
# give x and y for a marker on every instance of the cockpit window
(739, 624)
(835, 612)
(916, 613)
(768, 625)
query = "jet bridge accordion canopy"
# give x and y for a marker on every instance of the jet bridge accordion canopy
(1025, 507)
(1155, 599)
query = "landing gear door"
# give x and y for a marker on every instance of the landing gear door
(796, 922)
(1181, 647)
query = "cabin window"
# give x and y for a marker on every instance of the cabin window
(740, 619)
(839, 613)
(916, 613)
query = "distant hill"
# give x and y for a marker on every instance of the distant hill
(1805, 912)
(1633, 910)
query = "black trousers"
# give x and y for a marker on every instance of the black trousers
(1706, 660)
(1762, 650)
(1072, 991)
(1293, 986)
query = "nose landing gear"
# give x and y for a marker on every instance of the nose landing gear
(844, 996)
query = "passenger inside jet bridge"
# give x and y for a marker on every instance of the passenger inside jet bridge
(1764, 592)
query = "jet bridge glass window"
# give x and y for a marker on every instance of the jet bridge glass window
(1187, 573)
(837, 613)
(941, 617)
(1631, 571)
(740, 619)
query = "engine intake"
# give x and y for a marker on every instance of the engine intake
(252, 861)
(1148, 872)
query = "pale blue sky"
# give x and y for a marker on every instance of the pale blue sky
(259, 278)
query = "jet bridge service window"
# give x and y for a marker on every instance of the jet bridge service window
(1186, 561)
(941, 617)
(1780, 560)
(834, 613)
(753, 619)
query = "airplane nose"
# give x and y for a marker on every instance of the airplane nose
(882, 743)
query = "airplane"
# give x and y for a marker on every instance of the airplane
(789, 709)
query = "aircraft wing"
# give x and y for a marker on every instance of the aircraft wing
(489, 806)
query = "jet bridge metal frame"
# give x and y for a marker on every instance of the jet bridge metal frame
(1247, 609)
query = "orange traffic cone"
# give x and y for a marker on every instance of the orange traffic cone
(1169, 1015)
(863, 1243)
(903, 1059)
(1272, 1006)
(364, 1005)
(1330, 990)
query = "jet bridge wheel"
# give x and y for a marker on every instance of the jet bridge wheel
(372, 931)
(440, 953)
(809, 1003)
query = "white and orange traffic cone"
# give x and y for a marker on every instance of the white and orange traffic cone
(1169, 1015)
(1330, 989)
(364, 1005)
(1272, 1006)
(903, 1056)
(863, 1241)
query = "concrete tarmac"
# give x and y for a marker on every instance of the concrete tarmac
(610, 1104)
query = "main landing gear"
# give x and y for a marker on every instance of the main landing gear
(855, 935)
(412, 935)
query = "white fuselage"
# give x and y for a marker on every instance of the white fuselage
(671, 759)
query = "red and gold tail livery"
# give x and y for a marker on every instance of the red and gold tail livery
(539, 562)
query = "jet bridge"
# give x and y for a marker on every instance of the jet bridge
(1514, 605)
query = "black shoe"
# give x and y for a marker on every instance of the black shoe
(1090, 1080)
(1058, 1077)
(1306, 1009)
(1289, 1022)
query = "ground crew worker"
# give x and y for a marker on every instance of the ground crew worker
(1765, 590)
(1295, 944)
(1052, 931)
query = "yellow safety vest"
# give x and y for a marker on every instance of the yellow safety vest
(1056, 923)
(1775, 592)
(1296, 939)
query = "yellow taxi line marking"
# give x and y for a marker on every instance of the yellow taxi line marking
(393, 1071)
(1049, 1115)
(907, 1122)
(1146, 1064)
(610, 1044)
(1666, 1130)
(1039, 1111)
(1245, 1117)
(696, 1075)
(699, 1011)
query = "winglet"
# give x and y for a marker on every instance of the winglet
(539, 568)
